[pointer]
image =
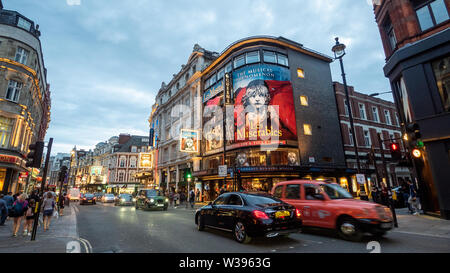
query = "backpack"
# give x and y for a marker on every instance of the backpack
(17, 208)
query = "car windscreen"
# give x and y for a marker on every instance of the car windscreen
(151, 193)
(127, 197)
(334, 191)
(262, 200)
(88, 195)
(109, 195)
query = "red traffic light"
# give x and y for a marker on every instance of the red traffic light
(394, 147)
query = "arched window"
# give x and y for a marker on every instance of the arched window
(133, 162)
(121, 176)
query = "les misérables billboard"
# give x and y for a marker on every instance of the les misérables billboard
(263, 110)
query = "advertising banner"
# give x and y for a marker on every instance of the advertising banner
(189, 141)
(96, 170)
(264, 105)
(145, 160)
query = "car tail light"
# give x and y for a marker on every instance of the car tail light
(298, 213)
(260, 214)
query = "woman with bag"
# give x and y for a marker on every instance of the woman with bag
(48, 207)
(18, 209)
(29, 216)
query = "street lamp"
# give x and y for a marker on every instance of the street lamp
(339, 52)
(377, 94)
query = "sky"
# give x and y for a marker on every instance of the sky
(106, 59)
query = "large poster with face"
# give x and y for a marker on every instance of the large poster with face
(189, 141)
(263, 106)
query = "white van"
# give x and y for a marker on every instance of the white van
(74, 194)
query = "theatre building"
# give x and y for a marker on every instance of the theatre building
(283, 123)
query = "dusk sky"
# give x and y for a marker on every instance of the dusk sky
(106, 59)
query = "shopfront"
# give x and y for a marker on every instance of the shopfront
(12, 174)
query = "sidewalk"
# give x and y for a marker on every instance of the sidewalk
(421, 224)
(54, 240)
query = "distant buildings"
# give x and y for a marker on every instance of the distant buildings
(415, 36)
(24, 96)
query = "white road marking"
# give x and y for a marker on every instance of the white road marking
(87, 244)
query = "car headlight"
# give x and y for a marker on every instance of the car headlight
(167, 199)
(122, 199)
(134, 199)
(151, 200)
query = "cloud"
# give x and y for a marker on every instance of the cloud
(106, 59)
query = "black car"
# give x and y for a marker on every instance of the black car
(151, 199)
(249, 215)
(124, 199)
(87, 198)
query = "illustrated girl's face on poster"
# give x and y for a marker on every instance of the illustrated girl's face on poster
(257, 95)
(189, 143)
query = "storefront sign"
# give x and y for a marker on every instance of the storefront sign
(222, 170)
(145, 160)
(189, 141)
(213, 91)
(9, 159)
(360, 178)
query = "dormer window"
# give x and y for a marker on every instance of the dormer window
(25, 24)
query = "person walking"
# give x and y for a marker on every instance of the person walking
(61, 203)
(9, 201)
(29, 217)
(3, 210)
(413, 200)
(48, 206)
(18, 209)
(197, 195)
(171, 197)
(176, 197)
(375, 194)
(192, 198)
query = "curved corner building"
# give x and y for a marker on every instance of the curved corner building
(24, 96)
(289, 86)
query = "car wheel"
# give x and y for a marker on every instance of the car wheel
(240, 233)
(200, 223)
(349, 229)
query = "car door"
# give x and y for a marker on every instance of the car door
(315, 210)
(229, 212)
(212, 214)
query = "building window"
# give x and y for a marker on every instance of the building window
(13, 91)
(282, 59)
(220, 74)
(21, 55)
(375, 114)
(194, 69)
(300, 73)
(387, 115)
(212, 80)
(346, 107)
(270, 57)
(122, 162)
(239, 61)
(350, 135)
(252, 57)
(304, 100)
(133, 149)
(131, 176)
(430, 13)
(441, 70)
(366, 138)
(133, 162)
(389, 30)
(6, 125)
(121, 176)
(307, 129)
(25, 24)
(228, 67)
(362, 111)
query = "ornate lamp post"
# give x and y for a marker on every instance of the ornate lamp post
(339, 52)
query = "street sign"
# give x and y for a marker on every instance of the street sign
(222, 170)
(360, 178)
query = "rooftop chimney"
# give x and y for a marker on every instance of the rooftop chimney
(123, 138)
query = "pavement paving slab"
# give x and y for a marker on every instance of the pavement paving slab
(55, 240)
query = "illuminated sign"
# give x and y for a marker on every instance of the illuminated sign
(145, 160)
(96, 170)
(189, 141)
(9, 159)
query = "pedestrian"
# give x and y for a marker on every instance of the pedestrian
(29, 217)
(192, 198)
(61, 202)
(182, 198)
(413, 200)
(375, 194)
(171, 197)
(48, 206)
(18, 209)
(34, 196)
(3, 210)
(9, 202)
(176, 197)
(384, 195)
(197, 195)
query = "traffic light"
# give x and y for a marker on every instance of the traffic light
(413, 135)
(62, 174)
(34, 157)
(188, 174)
(395, 151)
(416, 153)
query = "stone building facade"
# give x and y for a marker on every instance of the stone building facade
(24, 96)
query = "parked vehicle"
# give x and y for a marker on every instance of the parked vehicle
(98, 196)
(328, 205)
(124, 199)
(249, 215)
(108, 198)
(74, 194)
(151, 199)
(87, 198)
